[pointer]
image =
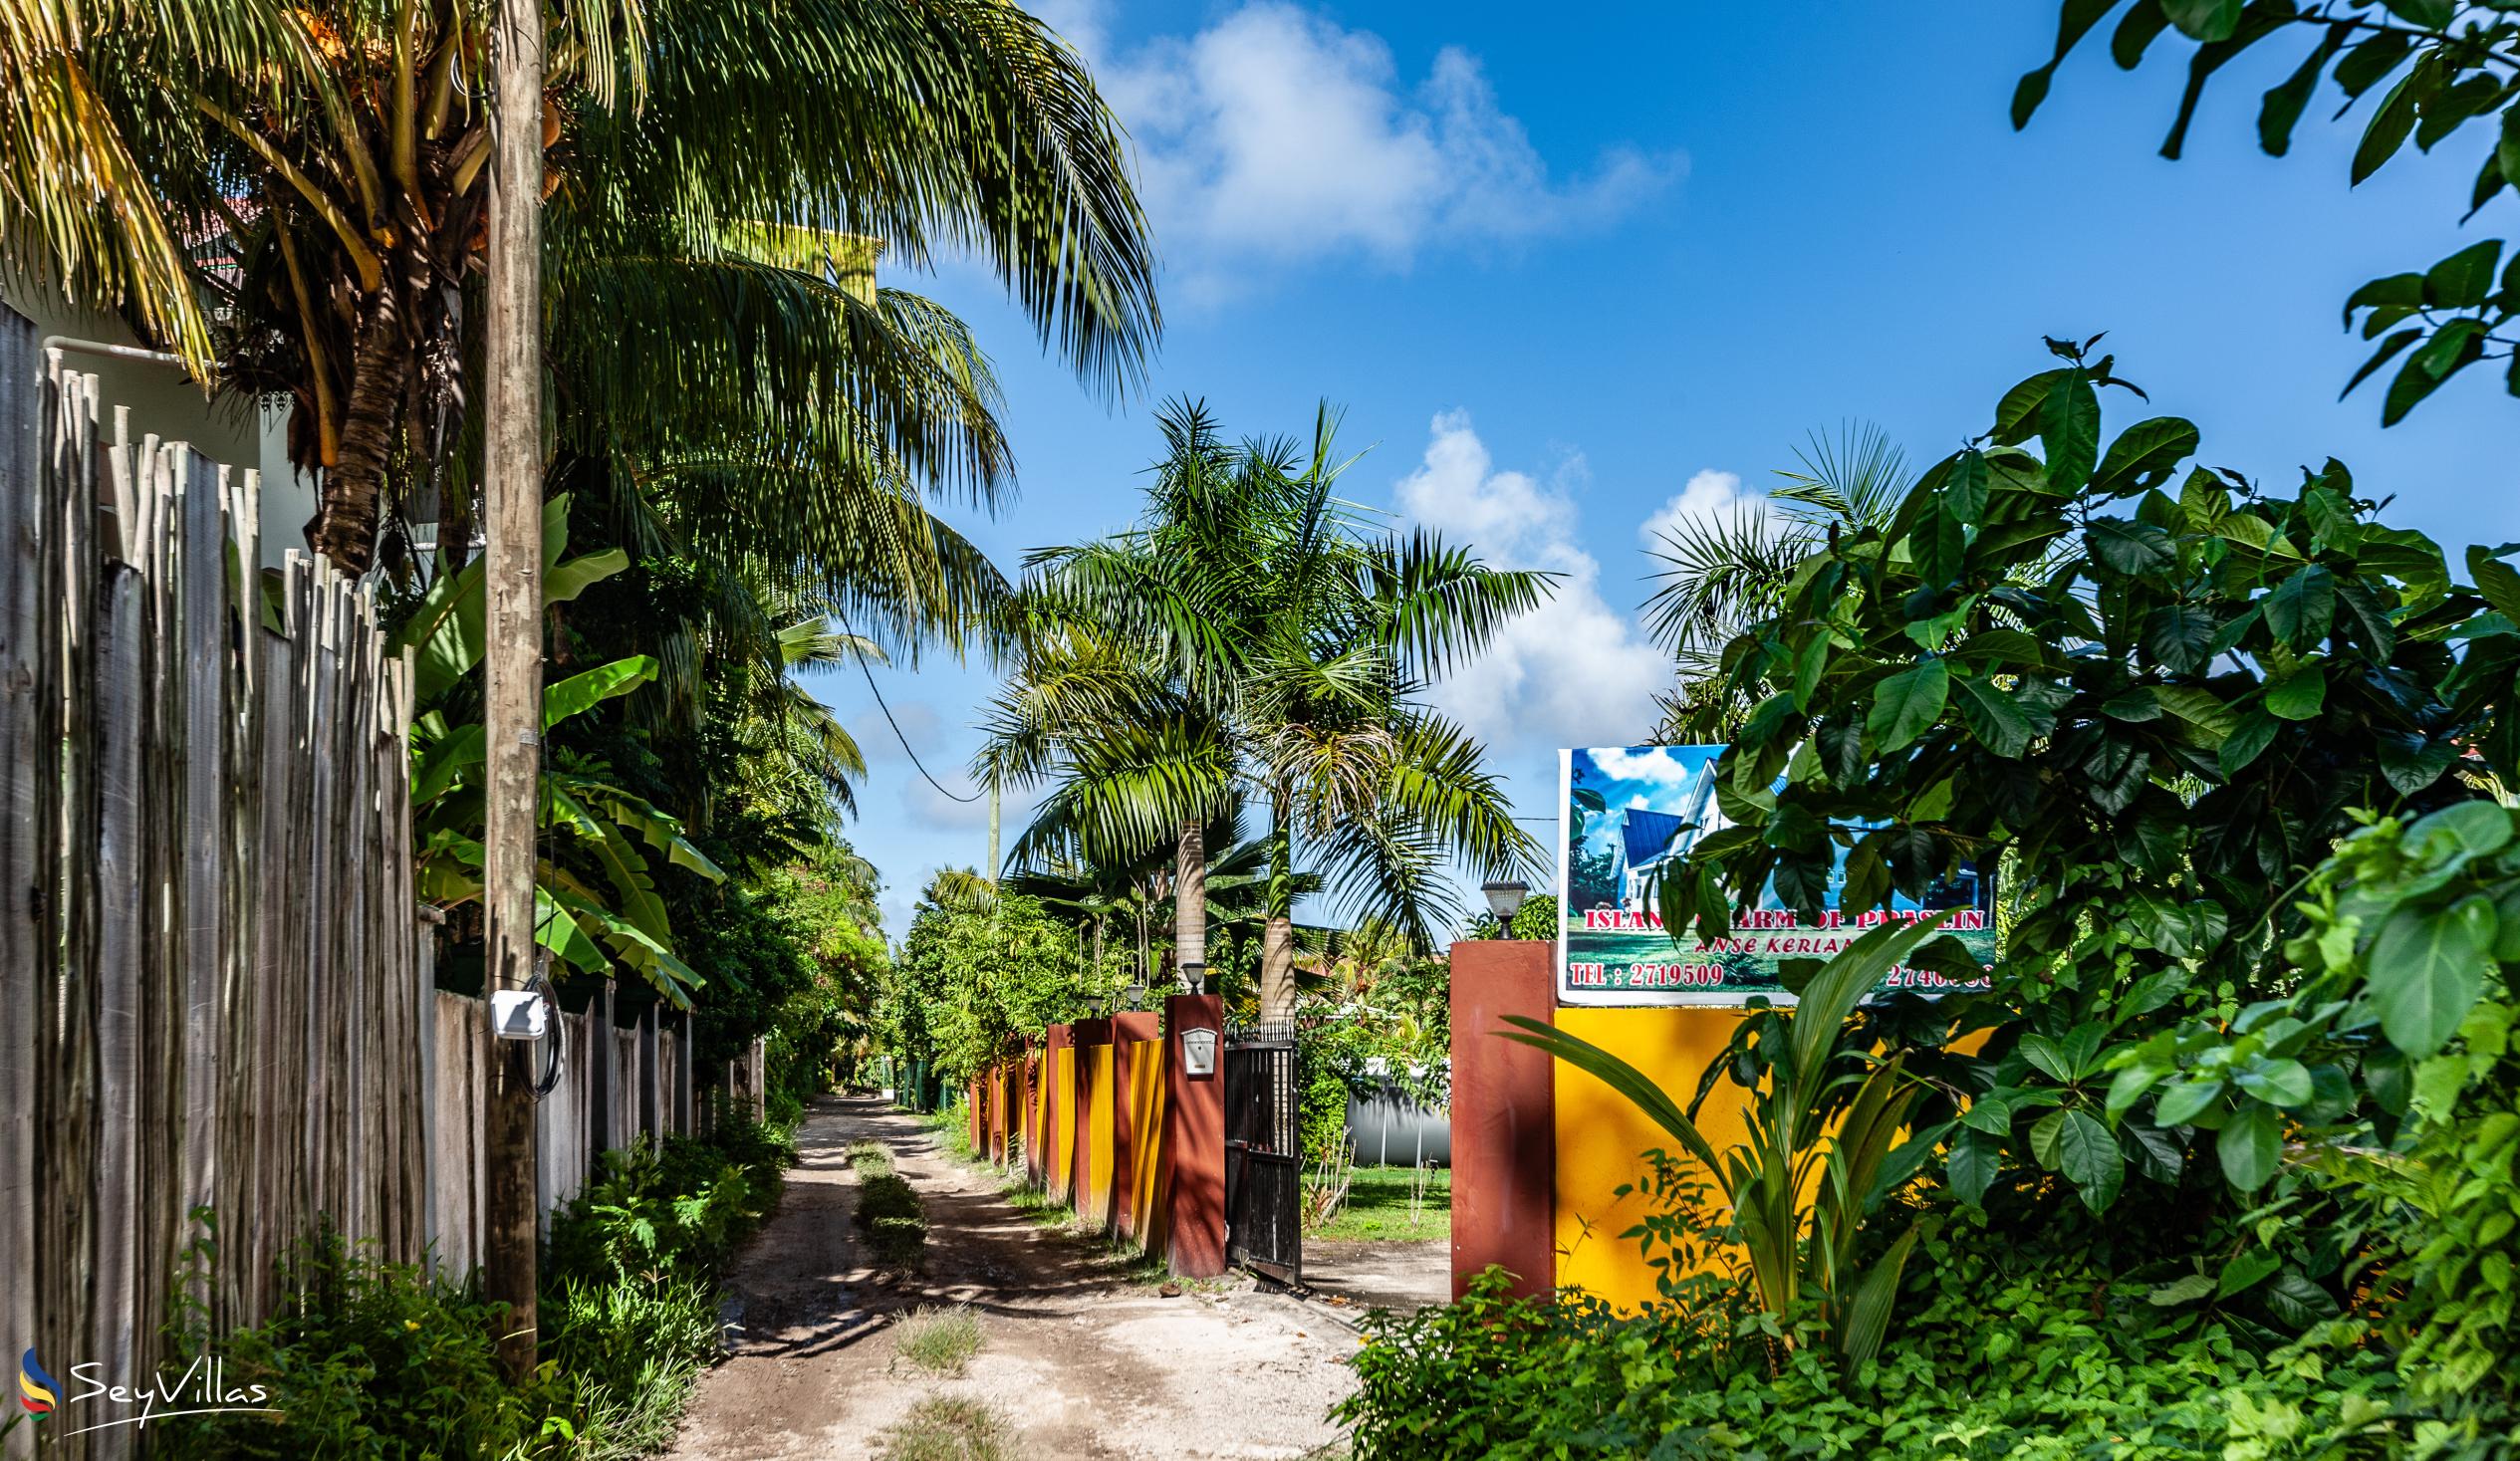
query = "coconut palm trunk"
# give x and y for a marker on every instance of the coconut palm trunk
(1190, 902)
(1277, 937)
(352, 497)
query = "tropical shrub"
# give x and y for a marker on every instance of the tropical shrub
(2152, 710)
(596, 899)
(2388, 1078)
(369, 1359)
(2262, 1027)
(379, 1359)
(974, 976)
(2014, 1349)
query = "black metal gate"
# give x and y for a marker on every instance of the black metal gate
(1263, 1162)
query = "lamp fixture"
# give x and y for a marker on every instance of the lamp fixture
(1505, 899)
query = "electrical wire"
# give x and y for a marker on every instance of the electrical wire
(541, 955)
(861, 656)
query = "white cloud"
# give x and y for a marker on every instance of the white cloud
(1710, 495)
(920, 726)
(1574, 672)
(1657, 768)
(1274, 136)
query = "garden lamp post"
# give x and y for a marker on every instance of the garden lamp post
(1505, 899)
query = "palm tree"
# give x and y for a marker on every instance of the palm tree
(717, 175)
(1251, 633)
(1722, 572)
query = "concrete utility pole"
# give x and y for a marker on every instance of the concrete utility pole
(512, 573)
(991, 872)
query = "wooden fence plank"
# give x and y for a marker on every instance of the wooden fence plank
(113, 1193)
(24, 843)
(200, 558)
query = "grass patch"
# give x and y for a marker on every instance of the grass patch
(951, 1129)
(947, 1428)
(869, 1158)
(938, 1340)
(888, 1214)
(1393, 1205)
(1038, 1207)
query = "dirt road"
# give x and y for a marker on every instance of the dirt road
(1080, 1359)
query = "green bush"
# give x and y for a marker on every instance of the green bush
(633, 1345)
(680, 1206)
(369, 1359)
(2009, 1352)
(379, 1359)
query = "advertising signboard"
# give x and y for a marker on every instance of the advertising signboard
(1632, 812)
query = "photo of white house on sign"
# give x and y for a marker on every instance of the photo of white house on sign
(1633, 817)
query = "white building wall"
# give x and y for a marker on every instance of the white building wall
(167, 403)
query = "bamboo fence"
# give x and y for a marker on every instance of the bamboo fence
(218, 1028)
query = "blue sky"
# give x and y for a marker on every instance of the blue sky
(1566, 277)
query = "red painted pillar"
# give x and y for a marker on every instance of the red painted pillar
(973, 1113)
(1504, 1116)
(1194, 1137)
(1001, 1128)
(1136, 1036)
(1033, 1061)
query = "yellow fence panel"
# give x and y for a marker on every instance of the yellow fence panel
(1094, 1203)
(1602, 1139)
(1145, 1131)
(1063, 1122)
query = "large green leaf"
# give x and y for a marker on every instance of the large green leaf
(2499, 581)
(1905, 704)
(2143, 455)
(2302, 607)
(2251, 1146)
(2428, 970)
(2130, 548)
(2299, 695)
(2247, 741)
(583, 691)
(2464, 279)
(2002, 723)
(633, 889)
(661, 832)
(2088, 1157)
(2180, 637)
(446, 631)
(1868, 1313)
(1970, 1170)
(2069, 431)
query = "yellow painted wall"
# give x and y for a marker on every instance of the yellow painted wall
(1146, 1134)
(1094, 1203)
(1602, 1138)
(1063, 1121)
